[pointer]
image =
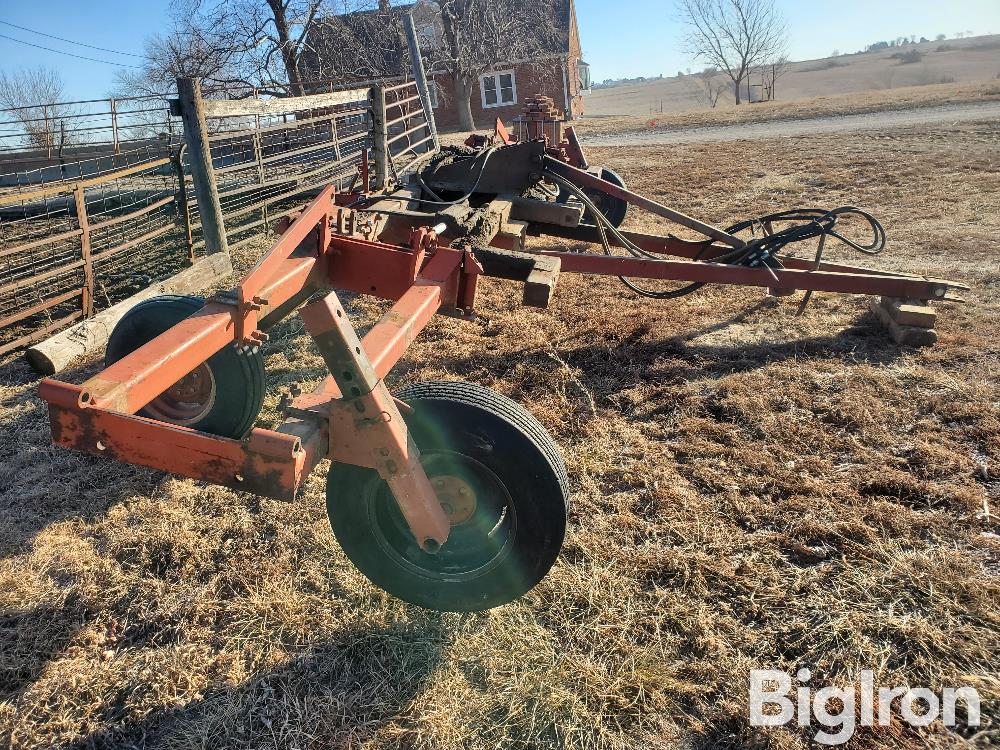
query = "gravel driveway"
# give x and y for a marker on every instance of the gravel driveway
(953, 113)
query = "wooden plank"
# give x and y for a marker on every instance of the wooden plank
(903, 334)
(546, 212)
(910, 312)
(541, 282)
(294, 125)
(512, 236)
(245, 107)
(54, 354)
(501, 207)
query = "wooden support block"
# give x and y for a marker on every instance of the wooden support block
(903, 334)
(776, 291)
(501, 207)
(910, 312)
(512, 236)
(541, 282)
(547, 212)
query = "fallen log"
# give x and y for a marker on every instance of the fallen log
(55, 353)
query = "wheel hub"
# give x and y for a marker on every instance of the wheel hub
(187, 400)
(457, 498)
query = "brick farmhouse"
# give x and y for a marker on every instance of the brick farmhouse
(354, 49)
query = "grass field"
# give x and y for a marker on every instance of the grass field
(955, 61)
(750, 489)
(798, 109)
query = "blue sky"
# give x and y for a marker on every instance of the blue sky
(624, 38)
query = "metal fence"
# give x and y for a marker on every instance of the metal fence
(409, 134)
(71, 248)
(266, 165)
(98, 201)
(50, 143)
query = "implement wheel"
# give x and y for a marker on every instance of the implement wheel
(222, 396)
(614, 208)
(501, 482)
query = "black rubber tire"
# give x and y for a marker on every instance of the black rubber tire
(453, 423)
(238, 371)
(614, 208)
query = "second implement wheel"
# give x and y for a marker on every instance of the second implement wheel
(613, 208)
(222, 396)
(500, 480)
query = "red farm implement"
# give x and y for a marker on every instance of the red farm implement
(444, 494)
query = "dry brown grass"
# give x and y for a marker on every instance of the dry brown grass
(961, 62)
(750, 489)
(855, 103)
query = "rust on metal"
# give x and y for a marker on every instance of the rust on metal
(394, 252)
(268, 463)
(371, 421)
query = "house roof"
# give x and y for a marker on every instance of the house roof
(355, 45)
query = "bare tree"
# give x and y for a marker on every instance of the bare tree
(736, 36)
(362, 42)
(186, 51)
(253, 45)
(35, 96)
(708, 86)
(478, 35)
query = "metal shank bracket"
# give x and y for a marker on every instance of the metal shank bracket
(369, 428)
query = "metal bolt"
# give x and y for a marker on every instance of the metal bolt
(430, 546)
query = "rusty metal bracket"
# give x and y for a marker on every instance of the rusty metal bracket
(367, 423)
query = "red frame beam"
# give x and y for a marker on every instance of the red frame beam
(719, 273)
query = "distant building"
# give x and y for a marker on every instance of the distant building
(354, 47)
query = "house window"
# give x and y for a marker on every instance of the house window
(583, 70)
(432, 92)
(498, 89)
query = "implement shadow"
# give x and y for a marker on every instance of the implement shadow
(42, 484)
(605, 363)
(340, 694)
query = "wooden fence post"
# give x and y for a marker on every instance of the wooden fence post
(380, 138)
(87, 293)
(192, 112)
(420, 77)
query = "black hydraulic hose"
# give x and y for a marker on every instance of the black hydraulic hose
(807, 223)
(482, 169)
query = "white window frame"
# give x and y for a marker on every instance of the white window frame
(495, 75)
